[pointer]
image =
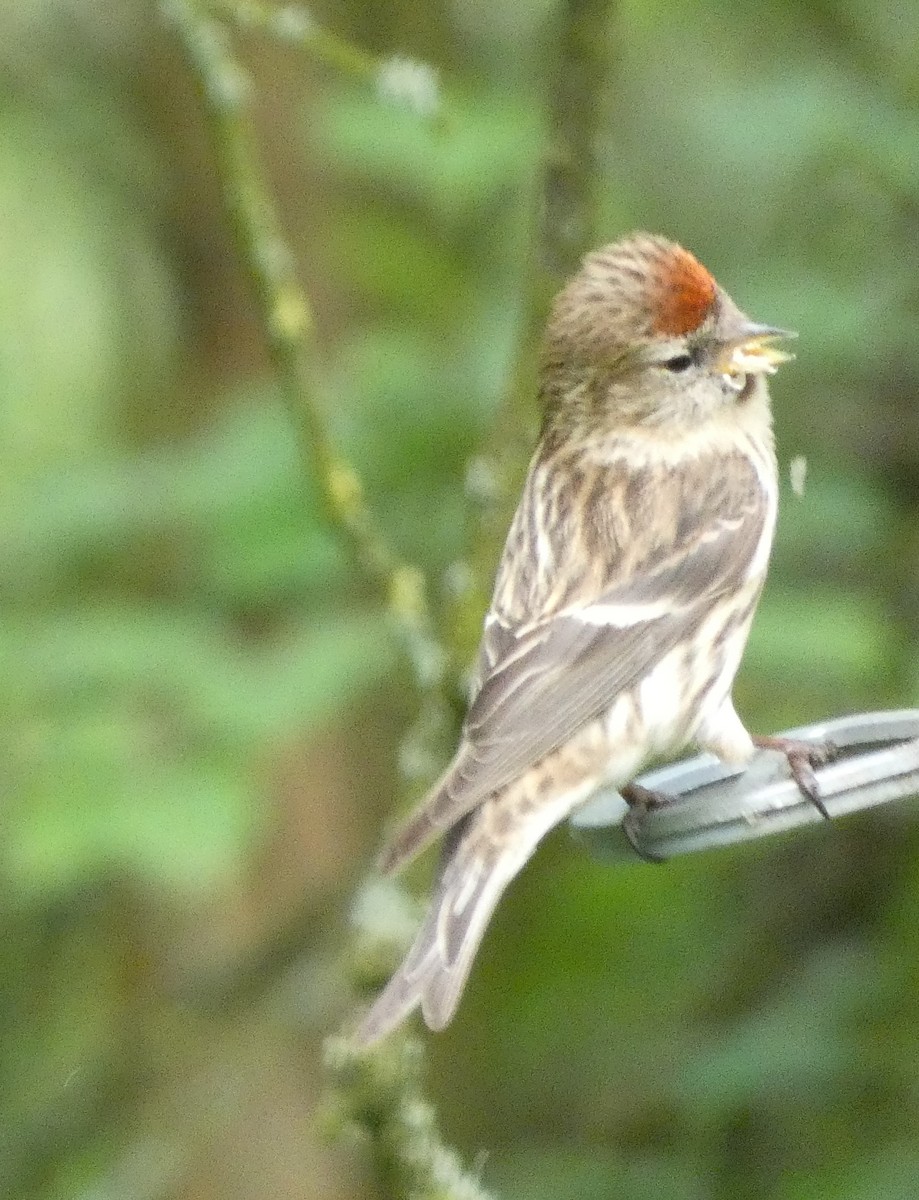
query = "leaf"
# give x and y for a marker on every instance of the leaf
(132, 736)
(455, 167)
(840, 639)
(591, 1173)
(237, 491)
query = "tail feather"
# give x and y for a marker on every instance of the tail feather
(452, 798)
(417, 833)
(431, 819)
(474, 873)
(481, 855)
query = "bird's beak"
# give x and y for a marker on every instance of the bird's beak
(751, 351)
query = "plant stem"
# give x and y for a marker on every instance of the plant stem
(295, 25)
(564, 225)
(379, 1091)
(286, 315)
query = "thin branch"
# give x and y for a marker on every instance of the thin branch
(294, 24)
(571, 181)
(396, 78)
(286, 315)
(563, 218)
(379, 1091)
(382, 1094)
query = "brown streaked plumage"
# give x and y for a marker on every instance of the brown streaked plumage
(624, 595)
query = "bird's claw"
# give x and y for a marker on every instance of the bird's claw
(642, 800)
(802, 757)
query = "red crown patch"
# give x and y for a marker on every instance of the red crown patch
(686, 293)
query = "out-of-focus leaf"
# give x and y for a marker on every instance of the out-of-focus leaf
(833, 528)
(456, 167)
(411, 436)
(99, 804)
(68, 661)
(887, 1172)
(64, 300)
(591, 1173)
(424, 281)
(838, 638)
(133, 729)
(239, 489)
(79, 1010)
(796, 1048)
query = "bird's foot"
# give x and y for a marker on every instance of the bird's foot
(802, 758)
(641, 801)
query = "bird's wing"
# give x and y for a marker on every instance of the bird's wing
(544, 679)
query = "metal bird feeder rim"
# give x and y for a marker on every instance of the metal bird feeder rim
(877, 763)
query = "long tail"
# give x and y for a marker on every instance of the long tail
(481, 855)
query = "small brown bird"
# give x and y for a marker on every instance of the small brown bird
(624, 595)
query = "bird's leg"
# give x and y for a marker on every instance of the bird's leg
(642, 800)
(802, 757)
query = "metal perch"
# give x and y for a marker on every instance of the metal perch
(877, 763)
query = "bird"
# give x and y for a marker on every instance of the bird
(624, 595)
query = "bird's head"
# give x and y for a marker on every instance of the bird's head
(643, 335)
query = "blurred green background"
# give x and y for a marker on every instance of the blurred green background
(186, 655)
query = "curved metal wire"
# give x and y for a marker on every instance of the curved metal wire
(716, 805)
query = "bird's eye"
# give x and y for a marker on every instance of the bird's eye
(681, 362)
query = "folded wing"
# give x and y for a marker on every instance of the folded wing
(544, 678)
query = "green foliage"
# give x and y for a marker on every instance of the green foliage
(131, 724)
(177, 622)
